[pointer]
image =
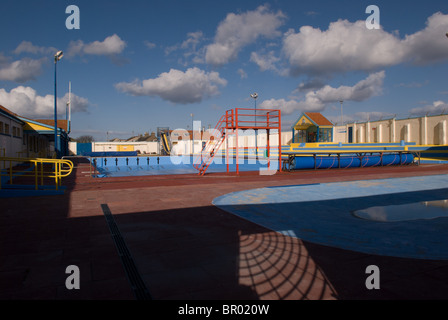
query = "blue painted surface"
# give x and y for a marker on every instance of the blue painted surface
(326, 162)
(83, 148)
(323, 214)
(433, 161)
(128, 166)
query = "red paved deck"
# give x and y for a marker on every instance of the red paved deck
(185, 248)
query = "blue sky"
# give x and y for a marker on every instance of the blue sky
(135, 65)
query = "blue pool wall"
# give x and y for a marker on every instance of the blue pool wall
(158, 165)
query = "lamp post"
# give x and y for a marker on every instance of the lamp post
(255, 96)
(342, 118)
(192, 134)
(57, 57)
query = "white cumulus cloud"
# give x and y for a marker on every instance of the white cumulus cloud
(349, 46)
(177, 86)
(430, 44)
(436, 108)
(112, 45)
(29, 47)
(364, 89)
(265, 62)
(21, 70)
(317, 100)
(27, 103)
(239, 30)
(288, 106)
(345, 46)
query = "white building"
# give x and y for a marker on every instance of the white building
(11, 134)
(426, 130)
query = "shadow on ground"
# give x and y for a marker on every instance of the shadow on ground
(197, 253)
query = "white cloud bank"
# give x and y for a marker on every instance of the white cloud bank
(347, 46)
(177, 86)
(317, 100)
(27, 103)
(436, 108)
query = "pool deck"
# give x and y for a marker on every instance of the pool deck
(185, 248)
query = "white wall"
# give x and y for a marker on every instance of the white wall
(143, 147)
(10, 145)
(246, 139)
(339, 134)
(72, 148)
(429, 130)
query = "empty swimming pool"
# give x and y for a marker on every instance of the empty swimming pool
(323, 214)
(162, 165)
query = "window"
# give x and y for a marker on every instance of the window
(16, 132)
(325, 135)
(301, 136)
(1, 127)
(6, 128)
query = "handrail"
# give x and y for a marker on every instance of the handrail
(37, 168)
(235, 120)
(203, 160)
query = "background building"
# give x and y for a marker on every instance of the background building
(312, 127)
(27, 138)
(12, 141)
(426, 130)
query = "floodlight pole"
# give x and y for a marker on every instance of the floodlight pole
(256, 130)
(192, 134)
(57, 57)
(255, 96)
(342, 118)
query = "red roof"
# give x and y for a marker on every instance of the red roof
(62, 124)
(318, 119)
(8, 111)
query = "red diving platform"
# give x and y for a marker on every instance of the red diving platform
(232, 123)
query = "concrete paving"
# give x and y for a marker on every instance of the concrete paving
(185, 248)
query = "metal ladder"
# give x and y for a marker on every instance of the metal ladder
(203, 161)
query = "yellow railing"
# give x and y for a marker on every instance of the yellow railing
(38, 168)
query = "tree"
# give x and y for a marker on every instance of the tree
(85, 139)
